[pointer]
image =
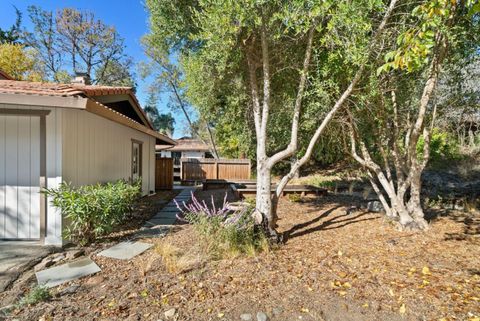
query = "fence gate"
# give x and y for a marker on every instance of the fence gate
(164, 173)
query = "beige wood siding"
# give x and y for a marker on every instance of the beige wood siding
(96, 149)
(53, 167)
(19, 177)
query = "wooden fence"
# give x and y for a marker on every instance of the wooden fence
(164, 173)
(198, 169)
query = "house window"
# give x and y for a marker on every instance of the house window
(136, 160)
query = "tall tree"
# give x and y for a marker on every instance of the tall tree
(21, 63)
(13, 34)
(164, 123)
(392, 125)
(272, 44)
(168, 78)
(70, 41)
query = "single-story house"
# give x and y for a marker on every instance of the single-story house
(78, 133)
(186, 147)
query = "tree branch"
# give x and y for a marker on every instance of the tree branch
(296, 166)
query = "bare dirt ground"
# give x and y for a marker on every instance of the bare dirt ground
(335, 265)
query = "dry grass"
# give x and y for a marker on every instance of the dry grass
(178, 261)
(146, 263)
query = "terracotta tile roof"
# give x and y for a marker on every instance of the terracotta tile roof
(68, 90)
(84, 91)
(63, 90)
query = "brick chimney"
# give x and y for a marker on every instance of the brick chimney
(81, 78)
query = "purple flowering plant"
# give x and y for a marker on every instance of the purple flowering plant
(198, 211)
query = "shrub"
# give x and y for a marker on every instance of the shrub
(36, 295)
(224, 232)
(294, 198)
(93, 210)
(443, 146)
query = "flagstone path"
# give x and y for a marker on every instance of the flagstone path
(157, 226)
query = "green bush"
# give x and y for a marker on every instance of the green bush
(443, 146)
(294, 197)
(36, 295)
(93, 210)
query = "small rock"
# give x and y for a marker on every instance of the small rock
(58, 257)
(277, 311)
(44, 264)
(70, 290)
(375, 206)
(74, 254)
(392, 242)
(95, 280)
(261, 316)
(246, 317)
(170, 313)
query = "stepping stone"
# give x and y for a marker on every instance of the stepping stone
(154, 232)
(170, 217)
(67, 272)
(160, 221)
(180, 202)
(161, 215)
(126, 250)
(170, 209)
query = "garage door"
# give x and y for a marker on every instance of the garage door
(19, 177)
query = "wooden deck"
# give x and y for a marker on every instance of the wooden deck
(209, 184)
(303, 190)
(241, 188)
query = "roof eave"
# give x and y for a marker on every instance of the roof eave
(44, 101)
(106, 112)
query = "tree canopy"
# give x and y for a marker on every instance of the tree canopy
(69, 41)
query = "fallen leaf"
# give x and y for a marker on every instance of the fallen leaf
(111, 304)
(426, 271)
(220, 315)
(342, 274)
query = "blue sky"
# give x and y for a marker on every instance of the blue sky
(128, 16)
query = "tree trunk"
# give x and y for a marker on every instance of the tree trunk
(264, 198)
(414, 203)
